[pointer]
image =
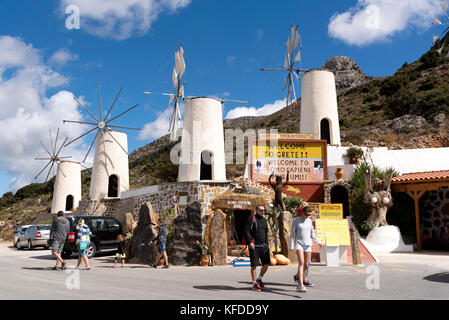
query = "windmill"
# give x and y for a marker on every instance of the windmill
(53, 154)
(101, 124)
(437, 21)
(178, 96)
(293, 55)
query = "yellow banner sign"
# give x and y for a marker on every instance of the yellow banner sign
(339, 226)
(304, 160)
(331, 211)
(331, 239)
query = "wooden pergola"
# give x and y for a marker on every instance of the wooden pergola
(415, 185)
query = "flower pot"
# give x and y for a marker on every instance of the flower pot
(204, 260)
(339, 173)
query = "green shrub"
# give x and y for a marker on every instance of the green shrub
(354, 153)
(292, 204)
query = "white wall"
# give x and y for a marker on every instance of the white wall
(319, 101)
(67, 182)
(109, 159)
(202, 131)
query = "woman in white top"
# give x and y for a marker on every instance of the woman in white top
(302, 233)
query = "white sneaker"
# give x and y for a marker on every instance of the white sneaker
(301, 288)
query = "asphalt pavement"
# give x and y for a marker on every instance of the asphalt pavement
(27, 274)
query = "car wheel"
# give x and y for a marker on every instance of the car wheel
(19, 246)
(30, 245)
(91, 250)
(66, 254)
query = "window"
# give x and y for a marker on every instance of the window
(113, 186)
(113, 225)
(99, 224)
(43, 228)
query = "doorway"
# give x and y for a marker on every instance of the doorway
(113, 186)
(69, 203)
(206, 166)
(339, 194)
(325, 132)
(240, 219)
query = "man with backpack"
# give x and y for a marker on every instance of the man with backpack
(256, 235)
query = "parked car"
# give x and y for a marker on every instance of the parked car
(104, 234)
(20, 230)
(34, 236)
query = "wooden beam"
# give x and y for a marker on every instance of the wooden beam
(416, 195)
(432, 186)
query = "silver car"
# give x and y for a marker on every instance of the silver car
(20, 230)
(34, 236)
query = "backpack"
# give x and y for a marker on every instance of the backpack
(254, 222)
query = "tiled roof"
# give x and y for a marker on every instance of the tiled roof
(422, 176)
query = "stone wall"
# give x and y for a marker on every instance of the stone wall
(434, 209)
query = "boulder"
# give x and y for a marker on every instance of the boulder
(284, 235)
(144, 232)
(187, 229)
(218, 239)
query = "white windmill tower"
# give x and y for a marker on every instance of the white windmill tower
(110, 172)
(67, 185)
(202, 143)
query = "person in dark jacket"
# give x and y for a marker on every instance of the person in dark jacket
(60, 228)
(256, 234)
(120, 251)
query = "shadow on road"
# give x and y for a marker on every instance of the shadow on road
(39, 268)
(282, 292)
(438, 277)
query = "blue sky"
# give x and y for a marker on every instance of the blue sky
(131, 44)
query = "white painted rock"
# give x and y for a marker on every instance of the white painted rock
(387, 239)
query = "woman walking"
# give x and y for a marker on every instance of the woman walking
(83, 234)
(302, 233)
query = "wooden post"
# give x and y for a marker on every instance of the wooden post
(416, 195)
(356, 258)
(417, 219)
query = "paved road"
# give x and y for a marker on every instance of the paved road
(27, 275)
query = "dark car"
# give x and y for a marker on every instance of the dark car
(104, 234)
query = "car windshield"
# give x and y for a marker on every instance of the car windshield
(43, 227)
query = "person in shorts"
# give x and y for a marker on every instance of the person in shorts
(83, 234)
(120, 251)
(59, 230)
(256, 234)
(302, 233)
(162, 241)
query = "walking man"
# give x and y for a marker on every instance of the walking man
(60, 228)
(256, 234)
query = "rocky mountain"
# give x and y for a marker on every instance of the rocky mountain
(347, 73)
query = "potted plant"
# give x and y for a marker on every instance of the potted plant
(354, 154)
(205, 259)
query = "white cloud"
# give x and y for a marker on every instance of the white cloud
(373, 21)
(158, 127)
(255, 112)
(121, 19)
(259, 34)
(26, 113)
(61, 57)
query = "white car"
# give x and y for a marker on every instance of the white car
(34, 236)
(20, 230)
